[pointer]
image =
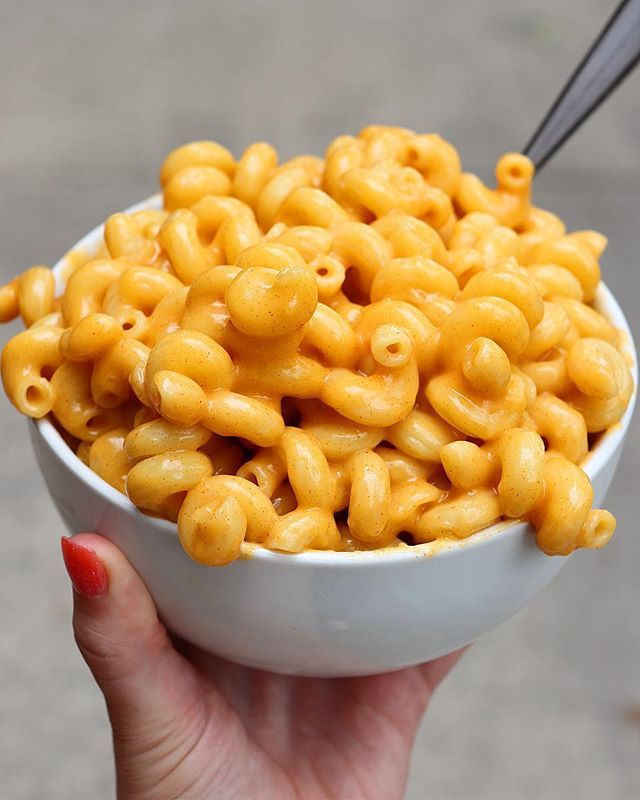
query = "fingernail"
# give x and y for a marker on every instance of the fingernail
(88, 574)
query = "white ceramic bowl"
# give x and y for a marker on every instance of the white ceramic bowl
(322, 613)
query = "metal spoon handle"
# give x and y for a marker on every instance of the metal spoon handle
(611, 57)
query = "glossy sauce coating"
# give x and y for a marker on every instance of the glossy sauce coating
(331, 353)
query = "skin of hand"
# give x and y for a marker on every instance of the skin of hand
(189, 725)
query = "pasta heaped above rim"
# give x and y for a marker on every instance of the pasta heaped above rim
(331, 353)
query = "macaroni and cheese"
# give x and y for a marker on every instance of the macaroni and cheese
(358, 351)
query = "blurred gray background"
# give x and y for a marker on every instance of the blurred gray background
(92, 95)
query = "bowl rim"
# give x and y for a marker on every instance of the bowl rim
(596, 460)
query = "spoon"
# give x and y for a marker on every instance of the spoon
(608, 61)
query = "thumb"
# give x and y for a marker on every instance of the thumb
(147, 685)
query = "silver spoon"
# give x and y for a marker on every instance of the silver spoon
(608, 61)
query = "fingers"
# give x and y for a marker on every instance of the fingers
(434, 672)
(402, 697)
(145, 682)
(172, 730)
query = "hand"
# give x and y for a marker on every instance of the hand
(189, 725)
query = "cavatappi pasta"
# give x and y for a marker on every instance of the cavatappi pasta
(357, 351)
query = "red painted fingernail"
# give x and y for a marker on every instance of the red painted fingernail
(88, 574)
